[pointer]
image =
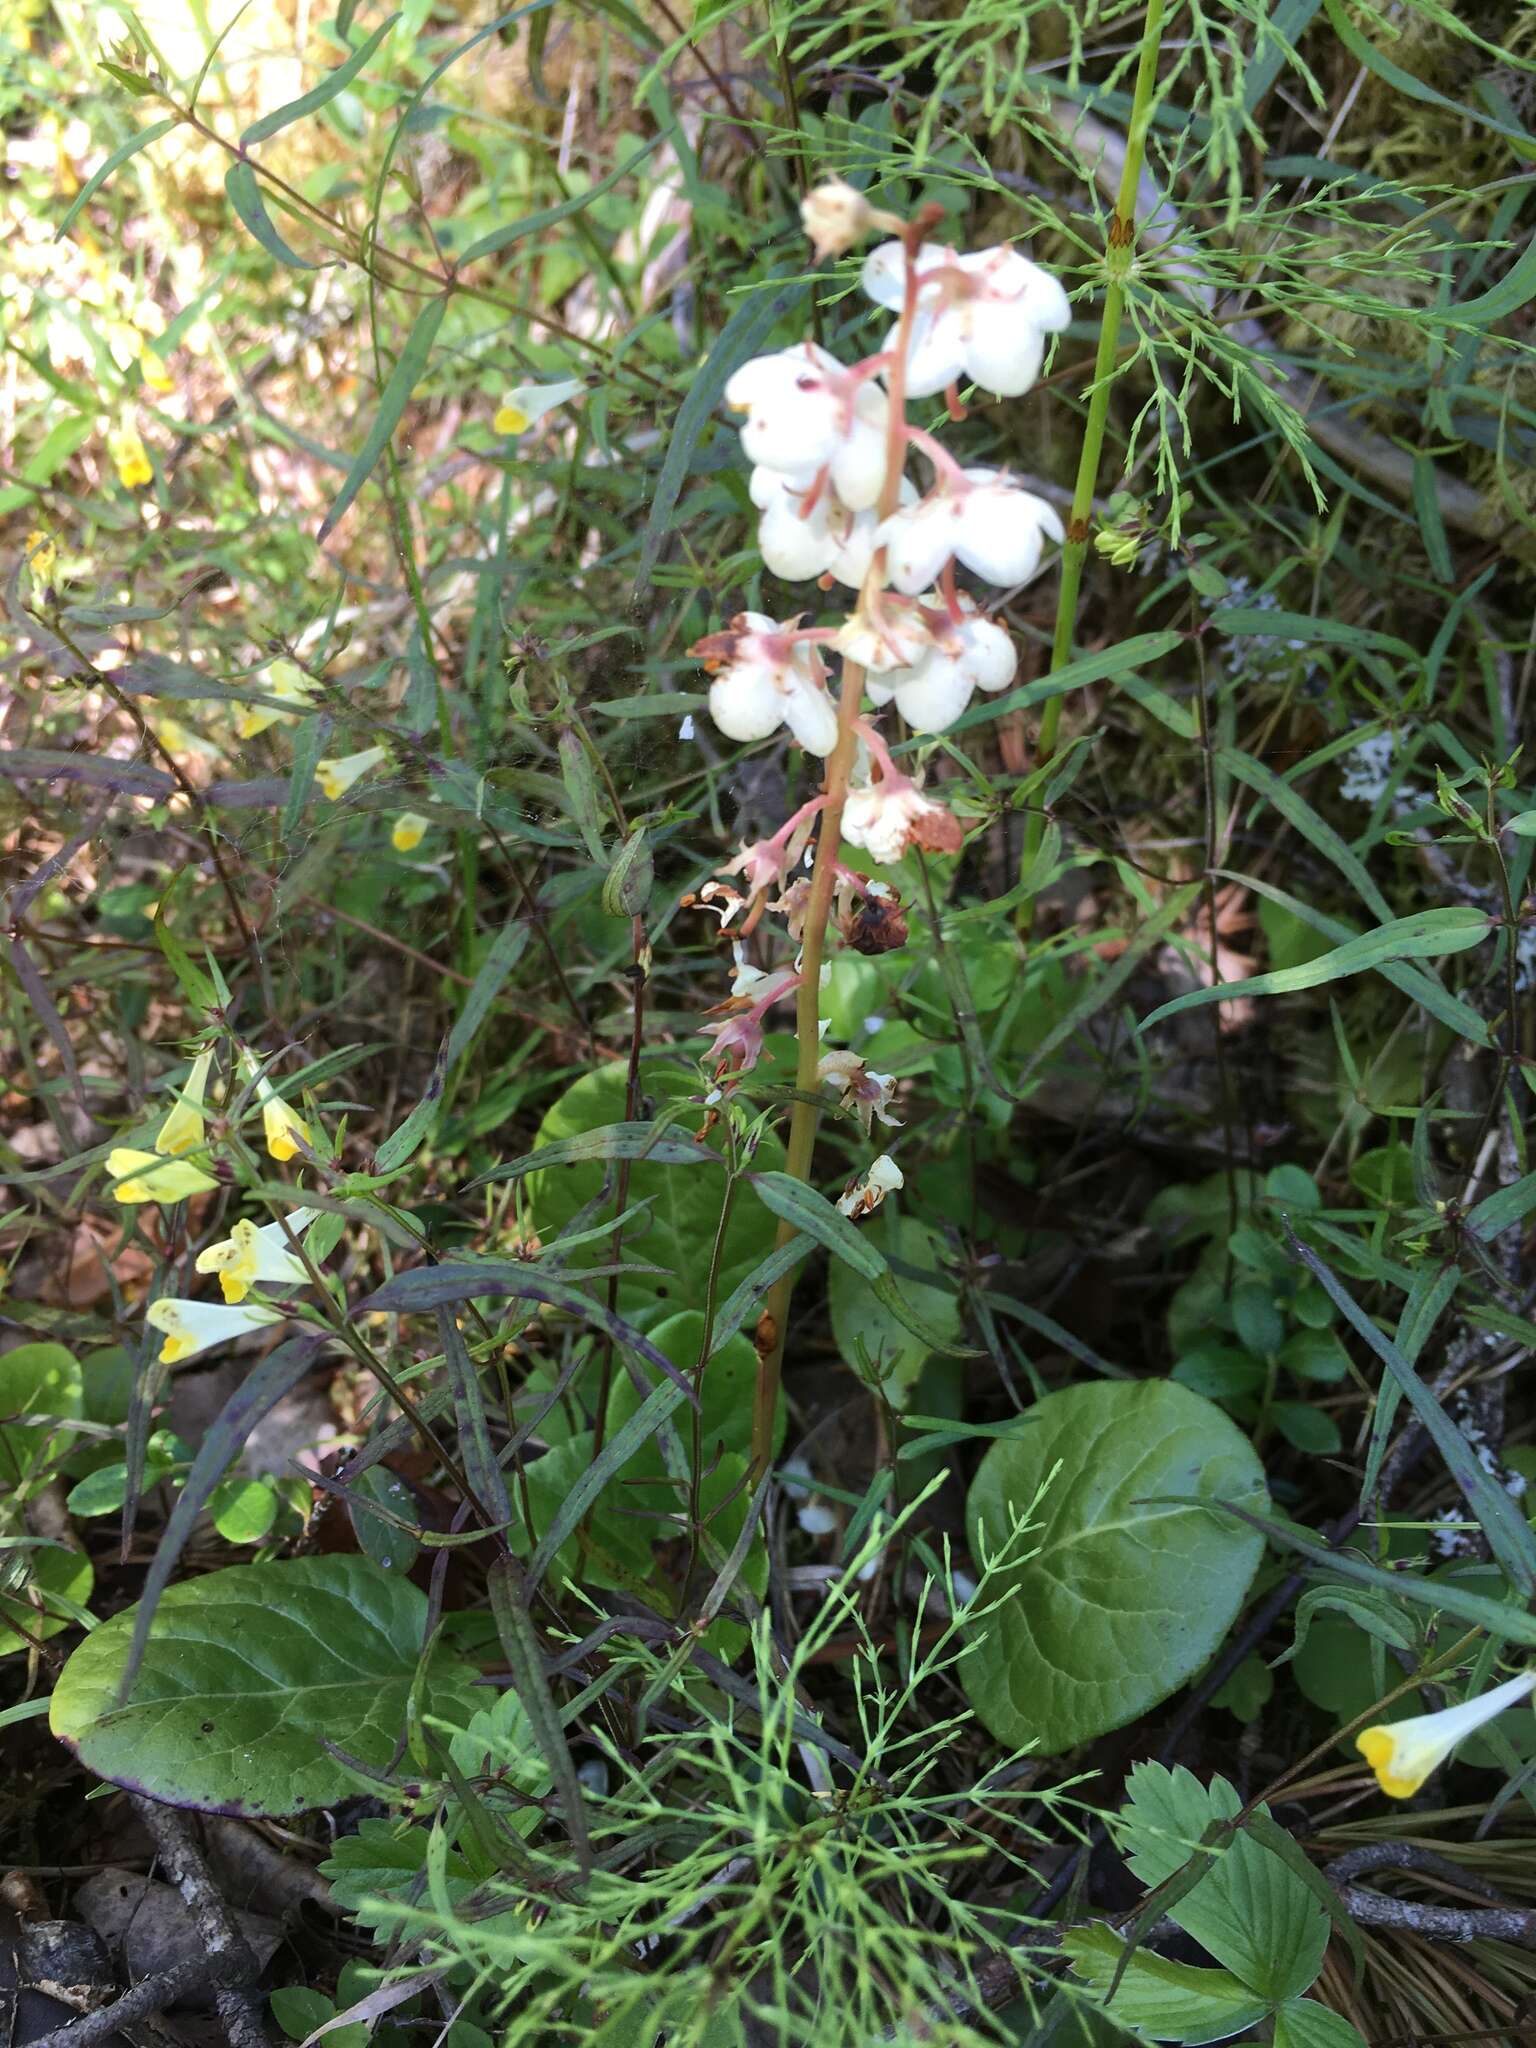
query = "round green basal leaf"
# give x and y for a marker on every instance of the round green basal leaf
(244, 1672)
(725, 1401)
(243, 1510)
(1124, 1596)
(67, 1573)
(864, 1327)
(678, 1230)
(35, 1379)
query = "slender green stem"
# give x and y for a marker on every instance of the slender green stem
(1118, 250)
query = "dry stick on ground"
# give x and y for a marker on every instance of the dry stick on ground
(149, 1996)
(1515, 1924)
(228, 1954)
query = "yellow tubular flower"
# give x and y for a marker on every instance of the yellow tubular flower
(410, 828)
(285, 1131)
(249, 1255)
(152, 369)
(129, 459)
(148, 1177)
(182, 1130)
(42, 556)
(193, 1326)
(283, 679)
(1403, 1753)
(336, 777)
(529, 402)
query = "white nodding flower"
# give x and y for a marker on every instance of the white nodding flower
(189, 1327)
(807, 412)
(983, 316)
(835, 217)
(860, 1088)
(982, 518)
(865, 1196)
(882, 636)
(182, 1130)
(337, 776)
(250, 1254)
(965, 653)
(804, 533)
(1403, 1753)
(766, 677)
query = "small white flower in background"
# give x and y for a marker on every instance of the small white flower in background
(807, 412)
(150, 1177)
(183, 1129)
(964, 654)
(526, 403)
(865, 1196)
(859, 1086)
(337, 776)
(283, 679)
(835, 217)
(193, 1326)
(984, 316)
(988, 522)
(1403, 1753)
(685, 731)
(1366, 769)
(250, 1254)
(766, 678)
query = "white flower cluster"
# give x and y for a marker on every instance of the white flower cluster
(823, 440)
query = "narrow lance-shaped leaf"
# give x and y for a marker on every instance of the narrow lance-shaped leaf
(793, 1202)
(1425, 935)
(403, 380)
(611, 1141)
(1509, 1534)
(525, 1660)
(244, 195)
(311, 102)
(115, 161)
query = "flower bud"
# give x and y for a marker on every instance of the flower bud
(835, 217)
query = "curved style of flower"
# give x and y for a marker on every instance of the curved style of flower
(252, 1254)
(984, 316)
(979, 517)
(807, 412)
(1404, 1753)
(767, 675)
(189, 1327)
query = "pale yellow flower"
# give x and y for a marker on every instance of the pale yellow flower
(1403, 1753)
(154, 372)
(410, 828)
(249, 1255)
(150, 1177)
(132, 463)
(521, 407)
(283, 679)
(182, 1130)
(42, 556)
(337, 776)
(192, 1326)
